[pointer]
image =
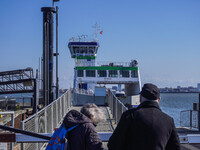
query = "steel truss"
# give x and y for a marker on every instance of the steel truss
(17, 81)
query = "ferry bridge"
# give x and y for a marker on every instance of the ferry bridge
(36, 130)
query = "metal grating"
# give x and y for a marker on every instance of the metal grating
(49, 120)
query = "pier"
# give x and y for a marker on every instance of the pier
(50, 117)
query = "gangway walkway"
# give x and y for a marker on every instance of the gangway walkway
(50, 117)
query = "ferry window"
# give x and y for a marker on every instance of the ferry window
(124, 73)
(113, 73)
(76, 49)
(91, 50)
(102, 73)
(134, 73)
(83, 50)
(80, 73)
(90, 73)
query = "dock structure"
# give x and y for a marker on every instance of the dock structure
(20, 81)
(50, 117)
(17, 81)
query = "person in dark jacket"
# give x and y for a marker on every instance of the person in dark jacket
(84, 136)
(145, 127)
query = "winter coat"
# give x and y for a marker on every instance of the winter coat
(145, 128)
(84, 136)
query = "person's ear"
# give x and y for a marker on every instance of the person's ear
(91, 117)
(159, 100)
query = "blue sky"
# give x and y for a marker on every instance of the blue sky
(163, 36)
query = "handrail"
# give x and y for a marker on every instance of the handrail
(41, 110)
(116, 107)
(25, 132)
(104, 136)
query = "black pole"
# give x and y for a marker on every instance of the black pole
(57, 79)
(48, 54)
(51, 38)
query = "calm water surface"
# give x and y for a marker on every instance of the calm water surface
(174, 103)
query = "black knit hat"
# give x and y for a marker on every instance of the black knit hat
(150, 91)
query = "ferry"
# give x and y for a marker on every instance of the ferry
(89, 74)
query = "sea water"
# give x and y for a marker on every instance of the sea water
(21, 97)
(173, 103)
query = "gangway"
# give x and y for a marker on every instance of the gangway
(50, 117)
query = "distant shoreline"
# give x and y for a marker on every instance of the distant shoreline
(179, 92)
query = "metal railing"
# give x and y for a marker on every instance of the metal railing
(116, 106)
(101, 63)
(47, 119)
(189, 118)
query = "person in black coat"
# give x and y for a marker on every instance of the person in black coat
(145, 127)
(84, 136)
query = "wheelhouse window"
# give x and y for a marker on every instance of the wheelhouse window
(101, 73)
(91, 50)
(124, 73)
(80, 73)
(90, 73)
(113, 73)
(134, 73)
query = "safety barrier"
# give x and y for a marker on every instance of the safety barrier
(116, 107)
(47, 119)
(189, 118)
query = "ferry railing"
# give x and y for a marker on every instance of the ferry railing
(124, 64)
(47, 119)
(189, 118)
(116, 106)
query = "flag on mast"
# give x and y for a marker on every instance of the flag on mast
(101, 32)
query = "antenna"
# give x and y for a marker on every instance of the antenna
(97, 28)
(85, 37)
(79, 37)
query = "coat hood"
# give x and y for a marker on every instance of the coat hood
(73, 118)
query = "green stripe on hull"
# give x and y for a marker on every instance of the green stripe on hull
(84, 57)
(106, 68)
